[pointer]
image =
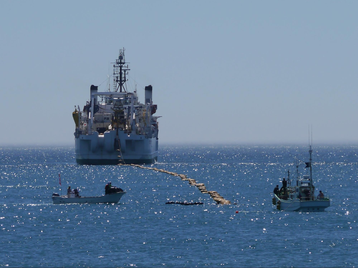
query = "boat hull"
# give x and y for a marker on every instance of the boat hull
(95, 149)
(109, 198)
(302, 205)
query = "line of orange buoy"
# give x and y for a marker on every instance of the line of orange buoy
(214, 195)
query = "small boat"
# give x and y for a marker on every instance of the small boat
(113, 197)
(300, 197)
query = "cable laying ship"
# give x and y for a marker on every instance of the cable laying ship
(114, 127)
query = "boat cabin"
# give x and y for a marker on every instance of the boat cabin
(305, 188)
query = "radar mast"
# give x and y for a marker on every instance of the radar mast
(120, 71)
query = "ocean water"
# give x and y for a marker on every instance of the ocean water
(143, 231)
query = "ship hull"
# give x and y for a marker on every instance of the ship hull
(109, 198)
(95, 149)
(302, 205)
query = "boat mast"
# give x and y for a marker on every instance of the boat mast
(310, 163)
(310, 151)
(288, 178)
(298, 174)
(120, 72)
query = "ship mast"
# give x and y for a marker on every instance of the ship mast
(120, 72)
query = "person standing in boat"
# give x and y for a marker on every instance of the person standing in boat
(276, 191)
(284, 184)
(320, 195)
(76, 192)
(284, 193)
(106, 189)
(69, 191)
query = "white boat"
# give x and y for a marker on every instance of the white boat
(301, 196)
(72, 198)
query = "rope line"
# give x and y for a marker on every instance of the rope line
(201, 186)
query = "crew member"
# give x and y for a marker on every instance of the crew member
(284, 184)
(320, 195)
(69, 191)
(276, 190)
(77, 193)
(107, 188)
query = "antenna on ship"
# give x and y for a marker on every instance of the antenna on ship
(297, 172)
(310, 162)
(109, 84)
(120, 72)
(310, 151)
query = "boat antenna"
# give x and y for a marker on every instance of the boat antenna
(310, 163)
(109, 83)
(288, 177)
(310, 151)
(120, 72)
(298, 174)
(59, 181)
(310, 131)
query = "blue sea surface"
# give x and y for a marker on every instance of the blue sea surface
(143, 231)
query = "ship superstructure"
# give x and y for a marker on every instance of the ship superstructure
(114, 127)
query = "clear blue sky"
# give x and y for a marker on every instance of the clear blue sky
(222, 71)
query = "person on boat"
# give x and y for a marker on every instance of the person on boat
(283, 190)
(320, 195)
(106, 188)
(284, 184)
(69, 191)
(276, 191)
(77, 193)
